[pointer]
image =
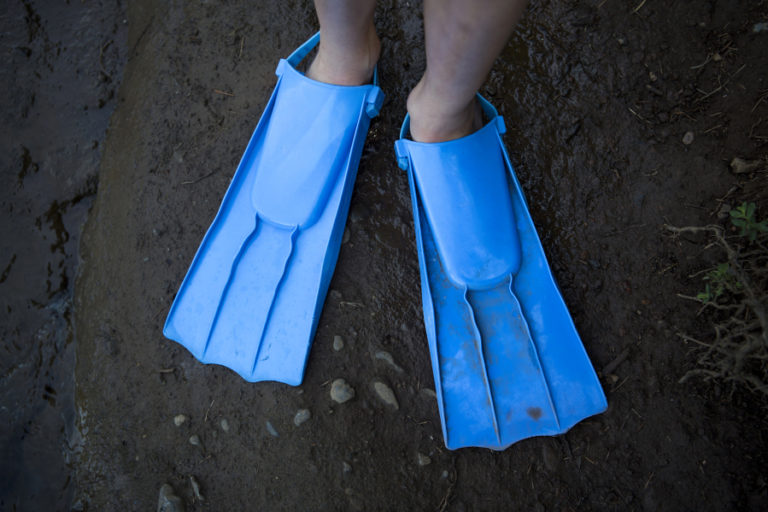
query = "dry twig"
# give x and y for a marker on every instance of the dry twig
(739, 351)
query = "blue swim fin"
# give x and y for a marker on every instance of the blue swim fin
(507, 360)
(253, 295)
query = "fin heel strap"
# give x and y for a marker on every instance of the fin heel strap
(302, 51)
(373, 101)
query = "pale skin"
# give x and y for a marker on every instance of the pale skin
(462, 39)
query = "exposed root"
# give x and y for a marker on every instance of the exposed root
(738, 311)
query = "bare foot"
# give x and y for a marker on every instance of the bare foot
(346, 65)
(433, 119)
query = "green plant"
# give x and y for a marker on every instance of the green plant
(744, 217)
(735, 299)
(721, 279)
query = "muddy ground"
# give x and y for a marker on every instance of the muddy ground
(598, 97)
(62, 64)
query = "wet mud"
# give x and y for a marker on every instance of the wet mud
(598, 98)
(61, 68)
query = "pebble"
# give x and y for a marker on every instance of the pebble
(168, 501)
(179, 419)
(429, 393)
(338, 343)
(345, 236)
(271, 430)
(386, 394)
(341, 391)
(345, 467)
(224, 424)
(741, 166)
(423, 460)
(688, 138)
(194, 440)
(301, 416)
(382, 355)
(196, 488)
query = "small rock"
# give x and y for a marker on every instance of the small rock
(760, 27)
(688, 138)
(445, 474)
(386, 394)
(429, 393)
(194, 440)
(196, 488)
(338, 343)
(381, 355)
(345, 236)
(724, 212)
(271, 429)
(168, 501)
(301, 416)
(224, 424)
(345, 467)
(741, 166)
(423, 460)
(335, 294)
(341, 391)
(179, 419)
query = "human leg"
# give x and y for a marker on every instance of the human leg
(349, 47)
(462, 39)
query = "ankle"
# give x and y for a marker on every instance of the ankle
(346, 64)
(434, 118)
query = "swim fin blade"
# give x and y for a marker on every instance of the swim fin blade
(506, 357)
(254, 292)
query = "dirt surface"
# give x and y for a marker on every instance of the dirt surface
(598, 97)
